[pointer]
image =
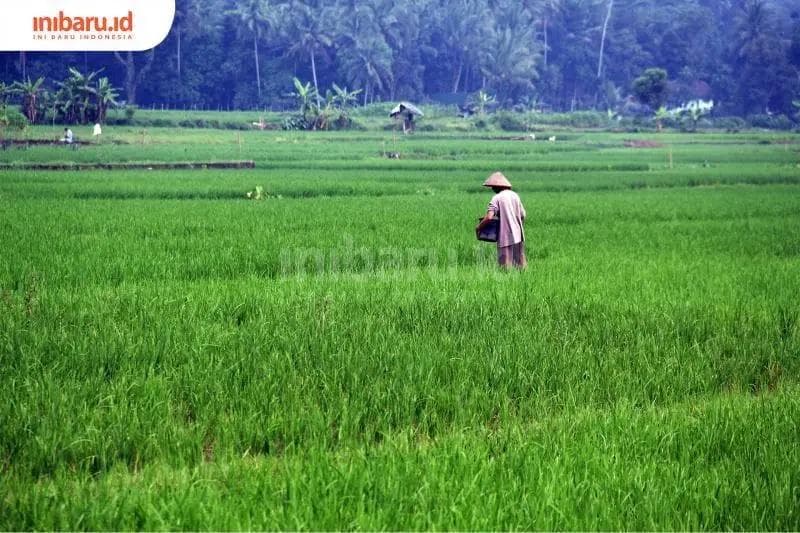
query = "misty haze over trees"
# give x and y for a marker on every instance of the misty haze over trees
(558, 55)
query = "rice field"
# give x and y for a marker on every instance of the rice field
(342, 354)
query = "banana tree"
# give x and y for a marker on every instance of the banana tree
(29, 90)
(692, 116)
(306, 96)
(343, 98)
(660, 116)
(481, 101)
(75, 95)
(105, 95)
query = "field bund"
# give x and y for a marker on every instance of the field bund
(320, 343)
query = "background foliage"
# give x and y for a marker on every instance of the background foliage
(557, 55)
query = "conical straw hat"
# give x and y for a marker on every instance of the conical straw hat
(497, 180)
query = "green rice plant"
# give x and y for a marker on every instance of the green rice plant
(349, 357)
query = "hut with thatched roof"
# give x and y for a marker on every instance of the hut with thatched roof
(406, 112)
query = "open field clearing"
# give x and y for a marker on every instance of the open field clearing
(342, 354)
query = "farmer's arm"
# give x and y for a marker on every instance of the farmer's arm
(486, 219)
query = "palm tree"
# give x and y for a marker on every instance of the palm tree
(465, 36)
(186, 22)
(255, 19)
(310, 33)
(368, 64)
(402, 28)
(752, 25)
(29, 90)
(603, 37)
(511, 64)
(759, 53)
(550, 10)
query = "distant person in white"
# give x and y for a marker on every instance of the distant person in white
(97, 130)
(67, 136)
(507, 206)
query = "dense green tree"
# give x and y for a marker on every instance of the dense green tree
(367, 64)
(761, 57)
(402, 28)
(651, 88)
(463, 39)
(510, 66)
(794, 47)
(578, 32)
(364, 57)
(186, 23)
(311, 30)
(254, 20)
(549, 10)
(567, 54)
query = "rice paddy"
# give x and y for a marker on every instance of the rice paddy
(342, 354)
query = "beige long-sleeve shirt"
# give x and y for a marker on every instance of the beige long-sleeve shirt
(508, 207)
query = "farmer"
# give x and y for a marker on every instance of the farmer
(67, 138)
(506, 206)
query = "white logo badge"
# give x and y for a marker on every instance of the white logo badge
(84, 25)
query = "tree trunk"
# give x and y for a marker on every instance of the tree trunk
(603, 38)
(179, 53)
(30, 108)
(544, 30)
(314, 75)
(132, 77)
(258, 72)
(457, 79)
